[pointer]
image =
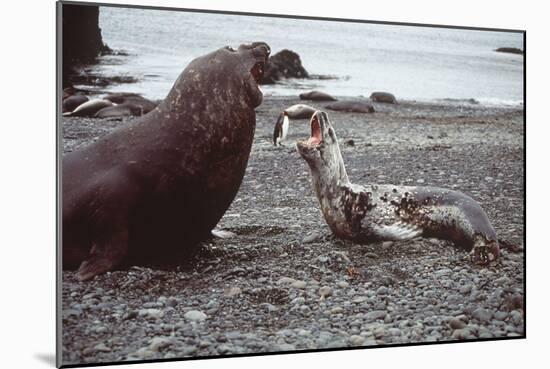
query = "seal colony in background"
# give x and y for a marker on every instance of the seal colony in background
(377, 212)
(158, 186)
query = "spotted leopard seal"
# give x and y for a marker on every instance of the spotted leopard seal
(377, 212)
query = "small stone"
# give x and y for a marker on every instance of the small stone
(501, 315)
(356, 340)
(382, 290)
(461, 334)
(465, 289)
(386, 245)
(100, 329)
(375, 315)
(172, 301)
(359, 299)
(325, 291)
(100, 347)
(343, 284)
(158, 343)
(195, 316)
(286, 347)
(310, 238)
(142, 353)
(420, 180)
(285, 280)
(268, 307)
(298, 301)
(323, 259)
(350, 143)
(456, 323)
(298, 284)
(517, 318)
(483, 315)
(232, 292)
(395, 331)
(336, 310)
(223, 349)
(151, 313)
(132, 314)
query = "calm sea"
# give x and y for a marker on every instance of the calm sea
(414, 63)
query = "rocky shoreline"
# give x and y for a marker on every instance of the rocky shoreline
(284, 283)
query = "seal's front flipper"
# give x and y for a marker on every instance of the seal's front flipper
(105, 257)
(396, 231)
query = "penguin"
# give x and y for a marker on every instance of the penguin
(281, 129)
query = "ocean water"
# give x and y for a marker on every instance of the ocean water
(413, 63)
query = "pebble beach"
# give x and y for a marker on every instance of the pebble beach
(283, 282)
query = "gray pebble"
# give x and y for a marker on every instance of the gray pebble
(483, 315)
(298, 284)
(375, 315)
(325, 291)
(456, 323)
(195, 316)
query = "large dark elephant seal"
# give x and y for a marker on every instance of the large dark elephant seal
(388, 212)
(159, 185)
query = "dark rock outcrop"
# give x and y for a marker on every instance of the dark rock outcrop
(509, 50)
(284, 64)
(383, 97)
(81, 37)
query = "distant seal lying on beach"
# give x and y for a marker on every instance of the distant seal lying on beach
(72, 102)
(89, 108)
(351, 107)
(383, 97)
(300, 111)
(316, 96)
(132, 100)
(387, 212)
(155, 188)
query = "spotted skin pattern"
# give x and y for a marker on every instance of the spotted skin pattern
(379, 212)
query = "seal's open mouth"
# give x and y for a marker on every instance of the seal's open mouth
(316, 135)
(257, 71)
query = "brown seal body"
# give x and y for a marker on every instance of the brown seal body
(387, 212)
(351, 107)
(316, 96)
(156, 187)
